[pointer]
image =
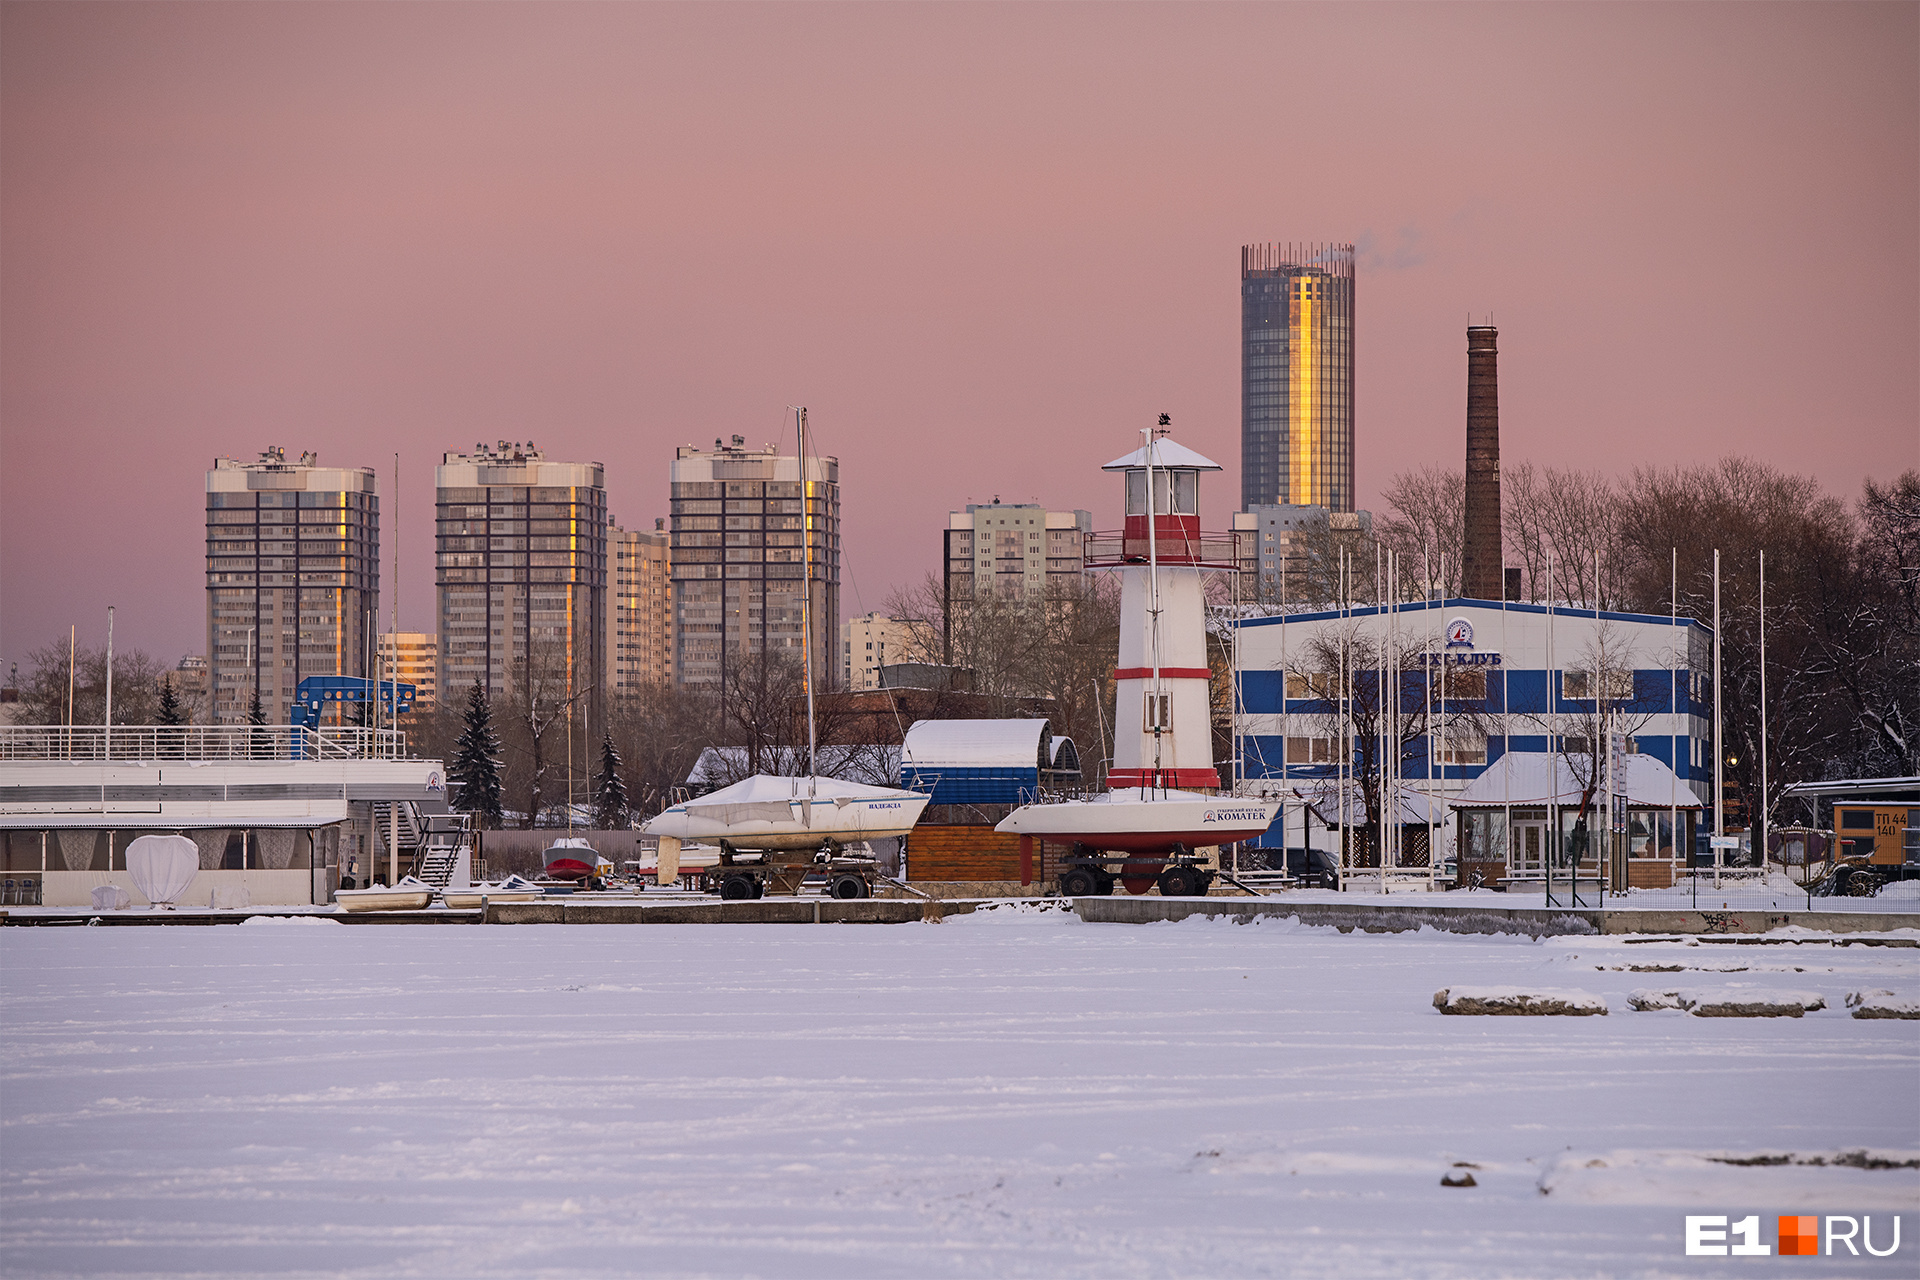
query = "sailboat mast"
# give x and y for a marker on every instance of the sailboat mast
(806, 587)
(1156, 694)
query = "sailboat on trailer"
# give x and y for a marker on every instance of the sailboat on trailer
(774, 815)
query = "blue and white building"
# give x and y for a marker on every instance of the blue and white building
(1520, 679)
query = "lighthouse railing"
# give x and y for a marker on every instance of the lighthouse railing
(1113, 549)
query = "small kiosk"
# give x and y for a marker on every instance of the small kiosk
(1531, 813)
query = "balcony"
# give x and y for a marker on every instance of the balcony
(199, 742)
(1113, 549)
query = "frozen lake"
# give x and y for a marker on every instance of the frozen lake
(998, 1095)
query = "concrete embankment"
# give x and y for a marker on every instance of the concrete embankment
(759, 911)
(1532, 922)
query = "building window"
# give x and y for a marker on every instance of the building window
(1309, 750)
(1617, 685)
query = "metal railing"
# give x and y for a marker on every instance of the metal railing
(1110, 547)
(198, 742)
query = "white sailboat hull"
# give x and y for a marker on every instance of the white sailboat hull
(1138, 820)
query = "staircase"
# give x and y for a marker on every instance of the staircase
(434, 863)
(439, 849)
(409, 822)
(409, 842)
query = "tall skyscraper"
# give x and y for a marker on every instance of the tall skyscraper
(1296, 376)
(640, 608)
(739, 517)
(522, 572)
(293, 578)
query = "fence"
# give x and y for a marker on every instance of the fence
(198, 742)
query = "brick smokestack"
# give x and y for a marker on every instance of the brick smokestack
(1481, 576)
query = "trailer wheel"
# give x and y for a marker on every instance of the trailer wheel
(846, 885)
(1179, 882)
(1077, 882)
(737, 888)
(759, 886)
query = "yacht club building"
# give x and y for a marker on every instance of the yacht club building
(1479, 681)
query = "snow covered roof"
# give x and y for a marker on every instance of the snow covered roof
(1540, 777)
(1166, 453)
(977, 744)
(1415, 807)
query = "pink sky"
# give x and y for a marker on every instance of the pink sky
(985, 244)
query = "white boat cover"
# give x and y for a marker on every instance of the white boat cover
(1541, 777)
(163, 867)
(976, 744)
(766, 798)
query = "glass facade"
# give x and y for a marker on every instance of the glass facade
(293, 579)
(741, 525)
(521, 570)
(1296, 409)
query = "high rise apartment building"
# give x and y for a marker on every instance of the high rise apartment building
(1016, 551)
(522, 572)
(412, 657)
(293, 578)
(639, 607)
(870, 642)
(1285, 553)
(739, 559)
(1296, 380)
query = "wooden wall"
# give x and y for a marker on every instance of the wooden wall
(965, 853)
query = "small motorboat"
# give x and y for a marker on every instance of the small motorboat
(511, 889)
(571, 858)
(409, 895)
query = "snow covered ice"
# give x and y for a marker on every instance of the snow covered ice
(1010, 1094)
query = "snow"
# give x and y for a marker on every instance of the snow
(1014, 1093)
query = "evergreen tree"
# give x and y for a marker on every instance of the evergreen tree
(257, 716)
(476, 761)
(610, 808)
(172, 710)
(173, 714)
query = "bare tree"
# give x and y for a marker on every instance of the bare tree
(1427, 524)
(539, 699)
(1339, 671)
(660, 731)
(136, 686)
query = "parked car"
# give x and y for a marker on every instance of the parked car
(1313, 868)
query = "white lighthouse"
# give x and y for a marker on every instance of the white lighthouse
(1144, 830)
(1162, 736)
